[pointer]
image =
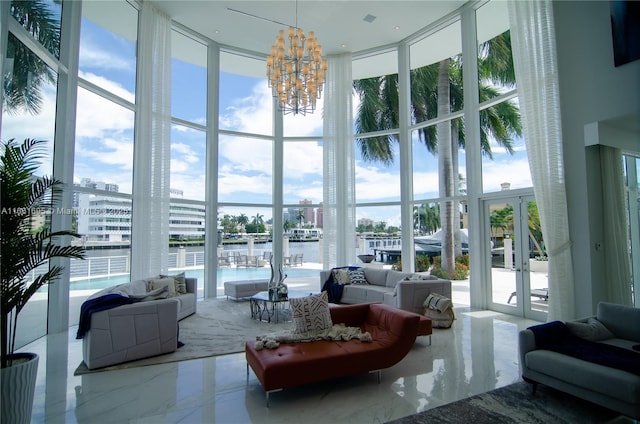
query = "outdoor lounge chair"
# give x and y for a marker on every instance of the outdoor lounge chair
(224, 260)
(542, 294)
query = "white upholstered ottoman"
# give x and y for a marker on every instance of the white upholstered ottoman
(244, 288)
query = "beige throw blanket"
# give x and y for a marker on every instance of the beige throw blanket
(336, 332)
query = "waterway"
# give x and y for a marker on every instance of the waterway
(108, 267)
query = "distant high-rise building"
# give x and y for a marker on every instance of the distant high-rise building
(319, 217)
(105, 218)
(308, 212)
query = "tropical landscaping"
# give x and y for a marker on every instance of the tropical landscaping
(436, 90)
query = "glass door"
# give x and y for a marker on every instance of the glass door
(517, 261)
(632, 189)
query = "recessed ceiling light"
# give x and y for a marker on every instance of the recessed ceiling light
(344, 45)
(369, 18)
(396, 27)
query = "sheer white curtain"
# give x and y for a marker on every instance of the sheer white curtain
(616, 240)
(339, 165)
(151, 152)
(534, 56)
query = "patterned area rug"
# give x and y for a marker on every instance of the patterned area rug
(514, 404)
(219, 327)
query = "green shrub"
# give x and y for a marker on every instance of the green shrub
(423, 263)
(461, 271)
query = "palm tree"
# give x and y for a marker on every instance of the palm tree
(28, 73)
(287, 225)
(427, 218)
(242, 220)
(502, 219)
(300, 216)
(435, 90)
(258, 221)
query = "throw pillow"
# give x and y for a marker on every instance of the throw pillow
(592, 330)
(311, 313)
(341, 276)
(437, 302)
(439, 319)
(161, 282)
(180, 282)
(356, 276)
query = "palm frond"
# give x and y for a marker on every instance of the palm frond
(25, 250)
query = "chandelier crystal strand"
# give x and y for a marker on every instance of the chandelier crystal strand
(296, 73)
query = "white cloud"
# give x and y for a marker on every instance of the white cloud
(193, 186)
(112, 152)
(245, 154)
(230, 183)
(515, 172)
(252, 113)
(373, 183)
(305, 125)
(98, 117)
(109, 85)
(185, 152)
(93, 56)
(302, 158)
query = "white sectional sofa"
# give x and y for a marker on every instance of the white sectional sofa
(146, 327)
(402, 290)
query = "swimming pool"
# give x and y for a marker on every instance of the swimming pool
(224, 274)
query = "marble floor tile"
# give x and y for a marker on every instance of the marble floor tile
(478, 354)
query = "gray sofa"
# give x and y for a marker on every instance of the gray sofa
(137, 330)
(402, 290)
(610, 387)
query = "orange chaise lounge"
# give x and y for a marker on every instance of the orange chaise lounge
(393, 332)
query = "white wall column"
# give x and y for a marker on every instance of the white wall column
(478, 267)
(152, 146)
(211, 182)
(406, 159)
(278, 244)
(63, 158)
(338, 165)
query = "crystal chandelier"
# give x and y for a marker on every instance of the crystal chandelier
(296, 73)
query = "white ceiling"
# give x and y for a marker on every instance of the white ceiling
(339, 25)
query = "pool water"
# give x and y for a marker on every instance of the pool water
(224, 274)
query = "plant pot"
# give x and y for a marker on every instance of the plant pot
(18, 385)
(366, 258)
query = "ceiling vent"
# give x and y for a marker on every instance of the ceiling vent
(369, 18)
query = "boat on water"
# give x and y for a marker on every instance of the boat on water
(432, 244)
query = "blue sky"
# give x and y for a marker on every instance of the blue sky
(104, 138)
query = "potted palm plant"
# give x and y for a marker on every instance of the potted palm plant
(25, 246)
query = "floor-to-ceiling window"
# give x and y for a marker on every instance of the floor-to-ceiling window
(245, 165)
(103, 165)
(632, 194)
(377, 154)
(516, 271)
(438, 141)
(28, 111)
(245, 177)
(188, 155)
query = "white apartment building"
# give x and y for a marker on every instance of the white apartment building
(108, 219)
